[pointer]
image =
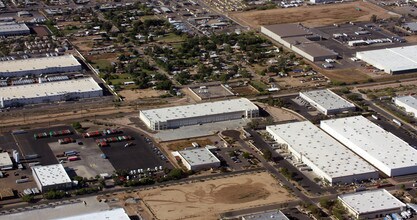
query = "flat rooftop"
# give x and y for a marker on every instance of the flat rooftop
(38, 63)
(328, 99)
(198, 156)
(409, 100)
(321, 149)
(199, 110)
(411, 25)
(288, 30)
(371, 201)
(391, 59)
(276, 215)
(51, 174)
(381, 145)
(5, 159)
(116, 214)
(49, 89)
(11, 27)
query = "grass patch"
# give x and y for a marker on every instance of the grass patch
(188, 143)
(121, 79)
(101, 64)
(171, 38)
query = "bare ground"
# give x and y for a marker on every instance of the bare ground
(313, 16)
(206, 200)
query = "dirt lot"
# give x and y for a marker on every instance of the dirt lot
(140, 93)
(346, 75)
(179, 145)
(206, 200)
(313, 15)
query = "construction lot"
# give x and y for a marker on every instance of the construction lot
(210, 92)
(214, 196)
(313, 16)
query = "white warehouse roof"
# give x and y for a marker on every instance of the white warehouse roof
(116, 214)
(38, 63)
(5, 160)
(331, 157)
(199, 110)
(51, 174)
(49, 89)
(198, 156)
(7, 27)
(371, 201)
(379, 147)
(391, 60)
(327, 99)
(408, 102)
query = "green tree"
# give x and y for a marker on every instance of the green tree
(28, 198)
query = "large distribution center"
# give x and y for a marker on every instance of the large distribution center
(49, 92)
(113, 214)
(324, 155)
(327, 101)
(198, 159)
(392, 60)
(5, 161)
(371, 204)
(51, 177)
(37, 66)
(13, 29)
(382, 149)
(174, 117)
(300, 40)
(409, 103)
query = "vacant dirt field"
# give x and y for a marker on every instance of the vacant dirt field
(206, 200)
(312, 16)
(346, 75)
(140, 93)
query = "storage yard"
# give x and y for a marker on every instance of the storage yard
(206, 200)
(313, 16)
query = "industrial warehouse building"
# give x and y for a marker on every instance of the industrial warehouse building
(409, 103)
(174, 117)
(327, 102)
(392, 60)
(198, 159)
(300, 40)
(49, 92)
(13, 29)
(6, 162)
(37, 66)
(327, 158)
(382, 149)
(51, 177)
(371, 204)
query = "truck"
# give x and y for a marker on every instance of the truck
(396, 216)
(70, 153)
(397, 122)
(387, 217)
(73, 158)
(91, 134)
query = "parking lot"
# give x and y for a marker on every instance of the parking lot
(211, 92)
(140, 155)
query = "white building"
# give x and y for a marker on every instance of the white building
(321, 1)
(276, 215)
(371, 204)
(198, 159)
(327, 158)
(382, 149)
(327, 101)
(174, 117)
(37, 66)
(6, 162)
(51, 177)
(391, 60)
(49, 92)
(409, 103)
(113, 214)
(13, 29)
